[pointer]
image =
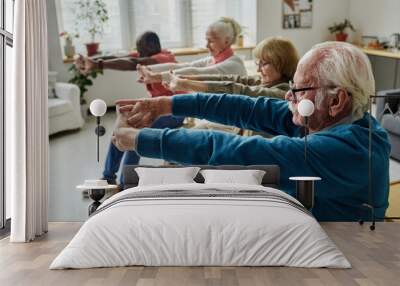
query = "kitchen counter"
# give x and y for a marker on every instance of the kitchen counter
(394, 54)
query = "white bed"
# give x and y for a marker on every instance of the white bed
(184, 230)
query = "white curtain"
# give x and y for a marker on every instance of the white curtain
(27, 123)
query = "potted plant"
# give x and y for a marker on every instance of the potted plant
(339, 30)
(92, 16)
(69, 48)
(83, 81)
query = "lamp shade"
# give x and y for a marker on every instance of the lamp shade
(98, 107)
(305, 107)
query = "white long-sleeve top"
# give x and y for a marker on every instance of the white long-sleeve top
(232, 65)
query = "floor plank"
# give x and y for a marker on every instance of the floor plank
(375, 257)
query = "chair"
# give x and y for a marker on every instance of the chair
(64, 108)
(388, 114)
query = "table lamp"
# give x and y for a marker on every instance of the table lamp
(98, 108)
(305, 185)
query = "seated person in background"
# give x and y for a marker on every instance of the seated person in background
(337, 77)
(148, 52)
(220, 36)
(277, 60)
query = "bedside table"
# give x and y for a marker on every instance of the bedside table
(305, 190)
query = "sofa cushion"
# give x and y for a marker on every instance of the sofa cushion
(391, 123)
(58, 106)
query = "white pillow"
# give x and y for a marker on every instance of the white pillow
(248, 177)
(166, 176)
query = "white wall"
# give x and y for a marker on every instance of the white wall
(378, 18)
(325, 13)
(375, 17)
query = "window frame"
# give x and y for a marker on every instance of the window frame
(6, 39)
(127, 26)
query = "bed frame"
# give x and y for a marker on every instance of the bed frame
(270, 179)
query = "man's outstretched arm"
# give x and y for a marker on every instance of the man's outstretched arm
(205, 147)
(260, 114)
(86, 65)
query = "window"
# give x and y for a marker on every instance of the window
(111, 38)
(165, 17)
(205, 12)
(6, 43)
(179, 23)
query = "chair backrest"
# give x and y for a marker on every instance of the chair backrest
(391, 97)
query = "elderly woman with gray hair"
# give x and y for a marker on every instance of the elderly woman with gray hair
(220, 36)
(337, 78)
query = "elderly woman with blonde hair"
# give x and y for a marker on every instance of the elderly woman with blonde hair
(276, 61)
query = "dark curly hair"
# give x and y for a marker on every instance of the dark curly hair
(148, 44)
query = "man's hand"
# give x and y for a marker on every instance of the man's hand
(122, 117)
(85, 65)
(142, 113)
(146, 76)
(125, 138)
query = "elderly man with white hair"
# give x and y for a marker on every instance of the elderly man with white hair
(337, 78)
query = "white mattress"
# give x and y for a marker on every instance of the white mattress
(200, 231)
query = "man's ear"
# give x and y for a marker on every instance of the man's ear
(340, 103)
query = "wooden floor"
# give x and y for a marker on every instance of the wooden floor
(375, 257)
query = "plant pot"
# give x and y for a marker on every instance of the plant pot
(341, 37)
(92, 49)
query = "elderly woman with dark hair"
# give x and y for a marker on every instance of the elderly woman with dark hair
(149, 51)
(337, 78)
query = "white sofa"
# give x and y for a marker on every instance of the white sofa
(65, 109)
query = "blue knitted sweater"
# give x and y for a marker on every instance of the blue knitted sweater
(339, 155)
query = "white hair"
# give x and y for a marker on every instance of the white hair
(343, 65)
(226, 28)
